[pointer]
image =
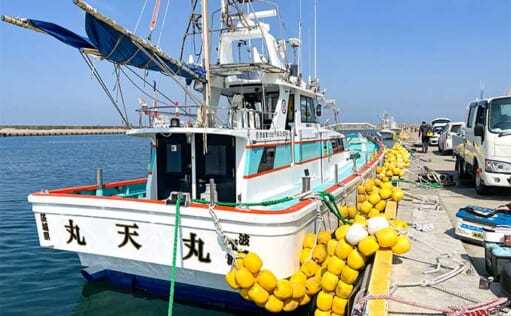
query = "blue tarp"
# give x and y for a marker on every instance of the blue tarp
(117, 47)
(499, 218)
(62, 34)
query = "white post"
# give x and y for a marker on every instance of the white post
(194, 168)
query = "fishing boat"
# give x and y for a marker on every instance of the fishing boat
(256, 182)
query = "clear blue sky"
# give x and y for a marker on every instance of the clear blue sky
(414, 59)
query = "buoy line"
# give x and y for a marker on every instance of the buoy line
(330, 263)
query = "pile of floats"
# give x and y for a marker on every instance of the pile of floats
(330, 263)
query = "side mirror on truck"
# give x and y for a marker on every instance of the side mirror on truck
(479, 130)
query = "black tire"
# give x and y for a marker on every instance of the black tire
(481, 189)
(460, 168)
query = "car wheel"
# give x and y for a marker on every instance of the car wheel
(481, 189)
(460, 167)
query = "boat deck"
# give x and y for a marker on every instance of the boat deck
(434, 241)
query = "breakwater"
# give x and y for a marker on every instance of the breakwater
(13, 131)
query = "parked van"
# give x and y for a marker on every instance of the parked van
(445, 139)
(437, 125)
(484, 152)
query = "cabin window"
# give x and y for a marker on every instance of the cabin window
(216, 161)
(481, 116)
(471, 116)
(270, 104)
(337, 145)
(174, 162)
(327, 149)
(307, 110)
(290, 117)
(267, 159)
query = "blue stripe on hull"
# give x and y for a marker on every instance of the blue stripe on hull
(185, 293)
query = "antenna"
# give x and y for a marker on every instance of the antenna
(299, 59)
(315, 40)
(207, 85)
(481, 90)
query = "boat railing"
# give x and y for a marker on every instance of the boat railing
(135, 189)
(245, 118)
(166, 116)
(249, 118)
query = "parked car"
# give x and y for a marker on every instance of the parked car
(437, 125)
(445, 139)
(484, 152)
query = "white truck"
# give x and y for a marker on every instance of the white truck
(483, 149)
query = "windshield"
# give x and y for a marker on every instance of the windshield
(438, 129)
(455, 129)
(500, 115)
(386, 135)
(440, 121)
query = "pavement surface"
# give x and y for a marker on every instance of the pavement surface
(434, 238)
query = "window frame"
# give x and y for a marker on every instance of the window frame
(267, 161)
(471, 115)
(307, 110)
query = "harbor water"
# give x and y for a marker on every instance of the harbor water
(42, 281)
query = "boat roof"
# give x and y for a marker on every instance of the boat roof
(241, 133)
(150, 131)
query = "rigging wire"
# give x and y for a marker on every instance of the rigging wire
(119, 90)
(172, 102)
(139, 19)
(163, 22)
(96, 74)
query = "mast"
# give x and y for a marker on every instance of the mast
(315, 40)
(204, 118)
(300, 39)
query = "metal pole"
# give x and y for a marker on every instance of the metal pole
(213, 198)
(315, 40)
(336, 173)
(99, 181)
(207, 85)
(293, 144)
(300, 38)
(306, 184)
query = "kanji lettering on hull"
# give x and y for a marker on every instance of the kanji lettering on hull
(243, 240)
(128, 235)
(74, 233)
(44, 224)
(196, 249)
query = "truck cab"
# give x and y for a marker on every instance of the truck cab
(485, 154)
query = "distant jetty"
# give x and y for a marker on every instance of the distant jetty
(11, 131)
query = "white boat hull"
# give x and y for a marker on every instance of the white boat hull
(132, 239)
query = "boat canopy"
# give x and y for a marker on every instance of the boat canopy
(110, 41)
(62, 34)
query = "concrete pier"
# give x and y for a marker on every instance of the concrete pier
(433, 239)
(59, 130)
